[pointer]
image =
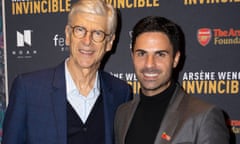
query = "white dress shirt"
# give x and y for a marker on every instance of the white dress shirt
(81, 104)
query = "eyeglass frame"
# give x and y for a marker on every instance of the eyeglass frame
(92, 32)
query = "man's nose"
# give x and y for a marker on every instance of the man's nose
(87, 39)
(150, 61)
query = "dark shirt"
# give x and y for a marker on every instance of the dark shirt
(148, 116)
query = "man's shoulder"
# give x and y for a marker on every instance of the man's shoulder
(38, 73)
(41, 74)
(199, 102)
(198, 105)
(107, 77)
(189, 100)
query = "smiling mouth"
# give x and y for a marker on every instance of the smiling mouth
(86, 52)
(150, 74)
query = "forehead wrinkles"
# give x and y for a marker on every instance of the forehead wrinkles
(90, 21)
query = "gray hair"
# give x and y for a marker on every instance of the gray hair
(98, 7)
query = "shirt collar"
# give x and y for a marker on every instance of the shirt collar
(70, 85)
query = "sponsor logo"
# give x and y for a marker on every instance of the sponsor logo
(204, 36)
(218, 36)
(229, 36)
(24, 45)
(24, 38)
(59, 43)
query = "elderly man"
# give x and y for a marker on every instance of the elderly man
(74, 102)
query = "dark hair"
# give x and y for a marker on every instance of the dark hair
(158, 24)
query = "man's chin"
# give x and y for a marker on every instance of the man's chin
(149, 87)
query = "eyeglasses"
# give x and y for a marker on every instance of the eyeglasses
(96, 35)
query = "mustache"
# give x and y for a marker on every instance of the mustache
(150, 70)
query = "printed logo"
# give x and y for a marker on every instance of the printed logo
(59, 43)
(204, 36)
(24, 38)
(24, 45)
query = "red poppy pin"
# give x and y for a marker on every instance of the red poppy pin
(165, 136)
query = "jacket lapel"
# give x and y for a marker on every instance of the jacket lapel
(108, 102)
(129, 116)
(171, 118)
(59, 103)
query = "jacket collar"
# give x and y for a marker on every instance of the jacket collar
(171, 118)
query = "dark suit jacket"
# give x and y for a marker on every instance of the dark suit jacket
(36, 113)
(188, 120)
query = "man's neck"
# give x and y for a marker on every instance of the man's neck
(84, 79)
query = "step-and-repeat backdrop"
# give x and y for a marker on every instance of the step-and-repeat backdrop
(211, 69)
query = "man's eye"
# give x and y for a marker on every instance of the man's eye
(97, 33)
(161, 54)
(140, 53)
(80, 29)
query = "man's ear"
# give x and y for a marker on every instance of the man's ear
(110, 42)
(67, 35)
(176, 59)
